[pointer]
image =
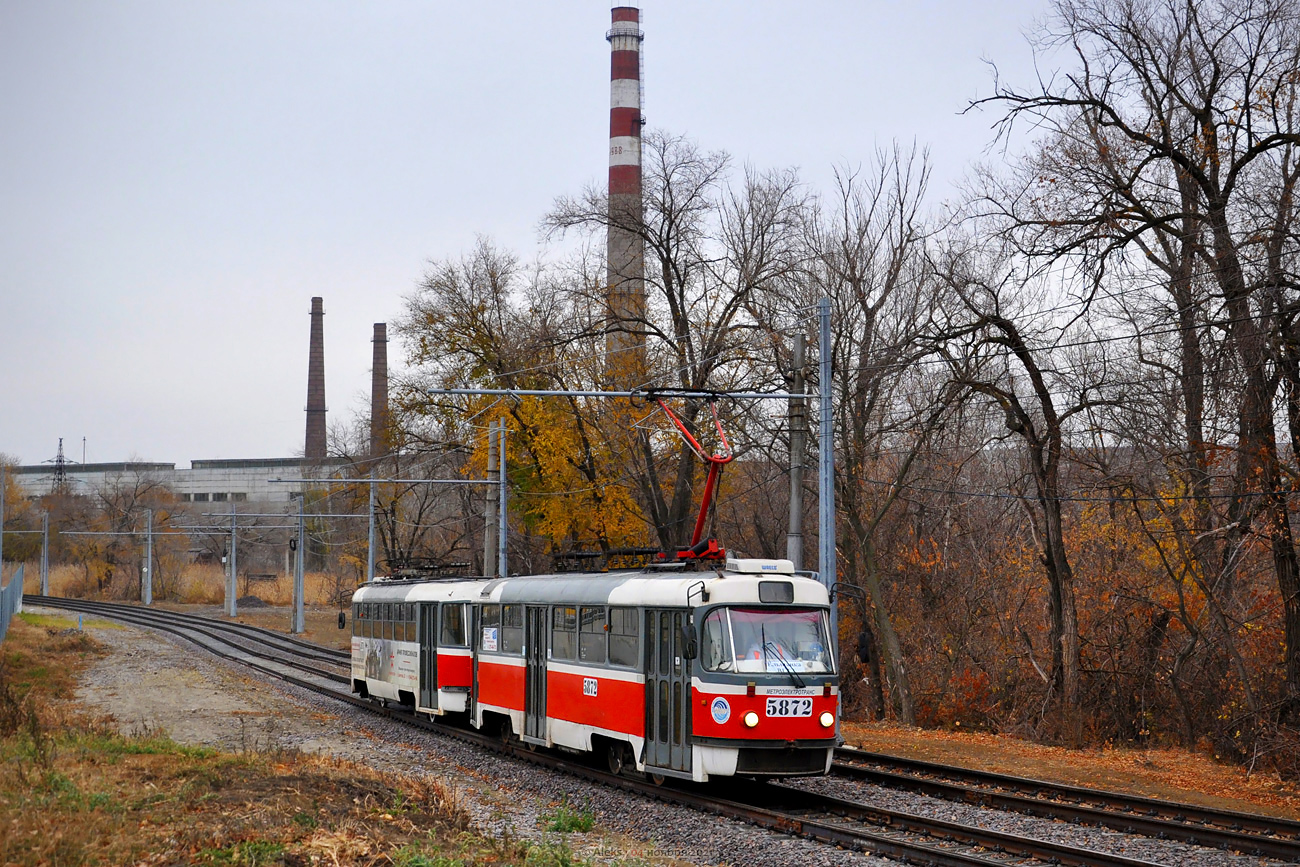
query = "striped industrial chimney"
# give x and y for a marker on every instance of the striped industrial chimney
(624, 250)
(379, 393)
(314, 449)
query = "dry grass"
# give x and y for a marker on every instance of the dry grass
(73, 792)
(1171, 774)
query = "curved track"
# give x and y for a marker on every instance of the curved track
(838, 822)
(258, 648)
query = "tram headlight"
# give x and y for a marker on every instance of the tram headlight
(827, 719)
(750, 719)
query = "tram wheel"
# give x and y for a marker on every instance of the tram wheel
(657, 779)
(616, 756)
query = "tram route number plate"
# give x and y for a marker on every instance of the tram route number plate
(789, 706)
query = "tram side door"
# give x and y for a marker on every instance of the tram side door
(472, 634)
(535, 671)
(668, 691)
(428, 654)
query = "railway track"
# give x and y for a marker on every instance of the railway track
(1247, 833)
(835, 821)
(259, 648)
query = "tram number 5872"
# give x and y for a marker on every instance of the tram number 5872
(789, 706)
(589, 687)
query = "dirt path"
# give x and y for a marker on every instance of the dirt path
(147, 683)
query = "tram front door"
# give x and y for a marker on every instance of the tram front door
(668, 693)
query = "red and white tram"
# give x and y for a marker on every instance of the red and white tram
(685, 674)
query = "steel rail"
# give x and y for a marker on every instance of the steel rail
(1203, 826)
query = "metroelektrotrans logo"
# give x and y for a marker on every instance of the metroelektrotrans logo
(721, 710)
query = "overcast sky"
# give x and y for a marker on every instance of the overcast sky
(177, 180)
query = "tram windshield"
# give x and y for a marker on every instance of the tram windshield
(768, 640)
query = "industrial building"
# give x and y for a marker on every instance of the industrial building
(205, 481)
(223, 483)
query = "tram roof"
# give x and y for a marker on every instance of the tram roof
(630, 587)
(641, 588)
(442, 590)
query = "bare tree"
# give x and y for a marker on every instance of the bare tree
(868, 257)
(1174, 136)
(997, 348)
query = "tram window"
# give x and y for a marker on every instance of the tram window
(591, 636)
(663, 712)
(776, 591)
(677, 713)
(388, 620)
(564, 632)
(677, 644)
(410, 620)
(512, 629)
(716, 652)
(623, 636)
(490, 635)
(665, 643)
(453, 625)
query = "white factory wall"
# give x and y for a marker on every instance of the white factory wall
(217, 481)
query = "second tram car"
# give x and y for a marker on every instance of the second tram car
(683, 674)
(410, 643)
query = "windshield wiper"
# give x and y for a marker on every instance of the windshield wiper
(776, 652)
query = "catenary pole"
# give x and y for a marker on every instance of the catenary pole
(370, 532)
(826, 462)
(232, 607)
(490, 528)
(146, 589)
(299, 618)
(45, 553)
(798, 435)
(502, 514)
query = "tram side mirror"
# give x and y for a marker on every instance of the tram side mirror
(343, 620)
(690, 647)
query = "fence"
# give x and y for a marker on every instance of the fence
(11, 601)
